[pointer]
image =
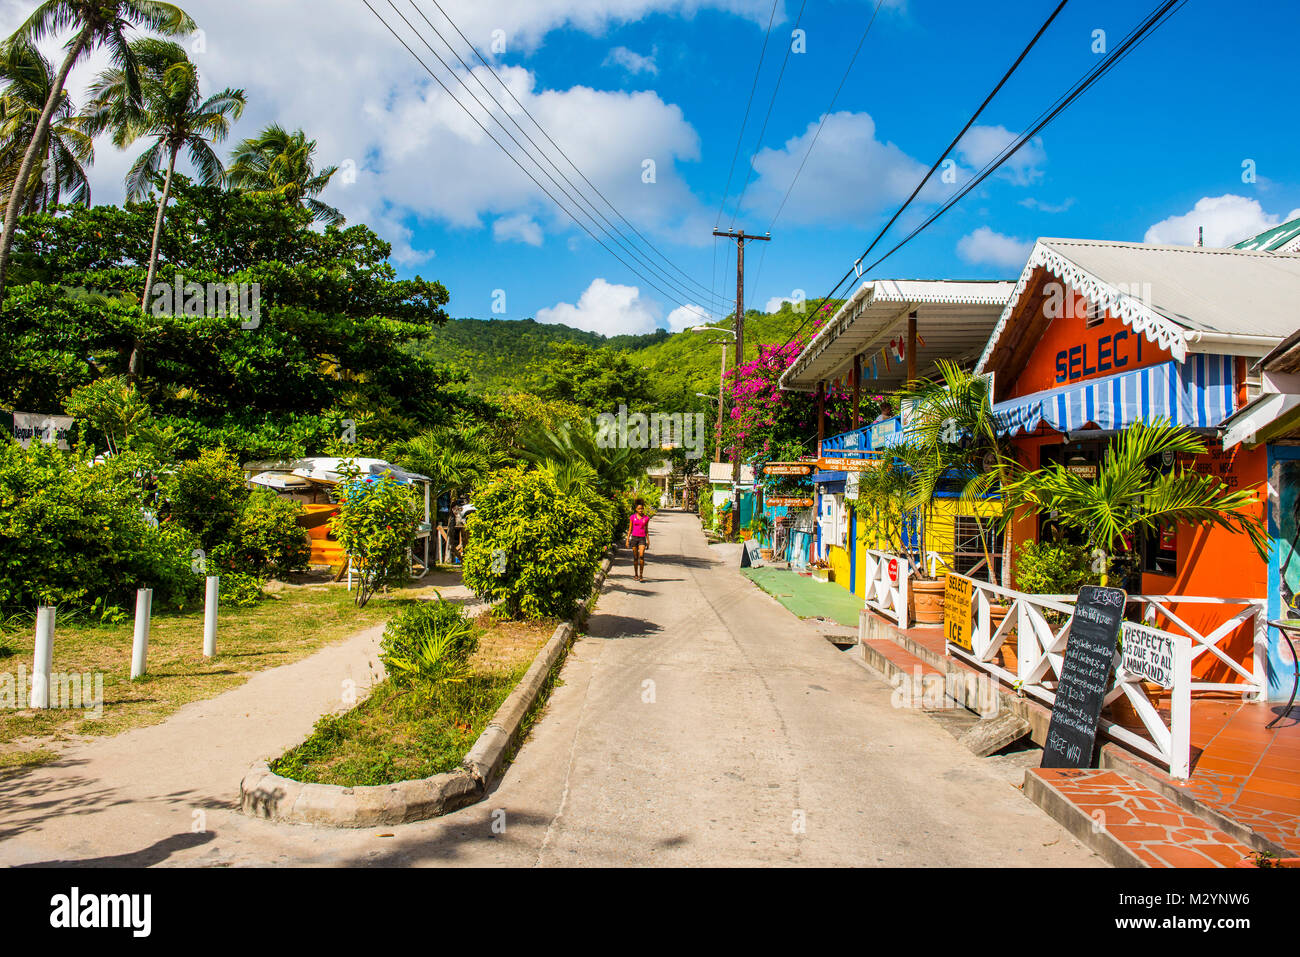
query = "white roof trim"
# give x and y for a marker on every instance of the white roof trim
(1158, 329)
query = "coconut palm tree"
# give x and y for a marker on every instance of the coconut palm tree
(171, 110)
(67, 148)
(279, 163)
(1130, 498)
(94, 24)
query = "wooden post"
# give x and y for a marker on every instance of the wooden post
(911, 346)
(857, 391)
(821, 416)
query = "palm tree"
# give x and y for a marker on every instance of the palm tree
(96, 23)
(67, 148)
(1130, 498)
(954, 432)
(170, 109)
(279, 163)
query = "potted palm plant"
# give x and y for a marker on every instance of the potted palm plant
(1130, 498)
(760, 526)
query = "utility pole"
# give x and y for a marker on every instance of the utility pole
(739, 357)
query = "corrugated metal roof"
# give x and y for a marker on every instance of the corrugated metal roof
(954, 318)
(1277, 239)
(1175, 295)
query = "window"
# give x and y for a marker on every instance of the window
(971, 536)
(1094, 315)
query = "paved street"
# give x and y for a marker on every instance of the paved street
(699, 723)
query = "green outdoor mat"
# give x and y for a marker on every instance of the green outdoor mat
(807, 597)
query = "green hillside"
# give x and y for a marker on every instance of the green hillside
(506, 355)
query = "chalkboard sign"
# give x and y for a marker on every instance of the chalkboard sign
(1085, 673)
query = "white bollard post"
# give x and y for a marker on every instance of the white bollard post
(44, 657)
(140, 645)
(210, 617)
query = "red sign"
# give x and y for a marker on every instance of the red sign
(893, 570)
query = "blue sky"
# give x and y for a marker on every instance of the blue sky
(1154, 150)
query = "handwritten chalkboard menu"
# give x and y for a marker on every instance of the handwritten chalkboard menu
(1085, 673)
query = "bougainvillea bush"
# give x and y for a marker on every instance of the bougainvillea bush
(533, 550)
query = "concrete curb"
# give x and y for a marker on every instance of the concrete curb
(265, 795)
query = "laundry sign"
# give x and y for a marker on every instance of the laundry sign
(1149, 655)
(29, 427)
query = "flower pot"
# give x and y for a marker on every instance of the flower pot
(765, 554)
(925, 599)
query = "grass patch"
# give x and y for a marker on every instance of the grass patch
(285, 627)
(393, 737)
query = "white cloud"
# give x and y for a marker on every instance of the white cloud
(606, 308)
(632, 61)
(982, 144)
(988, 248)
(349, 83)
(774, 304)
(1227, 219)
(1030, 203)
(520, 228)
(683, 317)
(850, 173)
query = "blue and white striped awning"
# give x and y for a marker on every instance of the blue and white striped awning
(1198, 393)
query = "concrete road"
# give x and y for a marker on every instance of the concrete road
(699, 723)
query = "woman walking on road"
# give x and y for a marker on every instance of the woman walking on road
(638, 538)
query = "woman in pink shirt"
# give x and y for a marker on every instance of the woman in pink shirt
(638, 538)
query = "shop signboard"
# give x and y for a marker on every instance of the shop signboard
(1085, 675)
(859, 463)
(893, 570)
(957, 596)
(1149, 654)
(783, 501)
(751, 556)
(789, 468)
(29, 427)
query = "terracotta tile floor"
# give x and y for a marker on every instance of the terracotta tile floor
(1158, 831)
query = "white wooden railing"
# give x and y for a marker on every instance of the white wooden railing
(881, 591)
(1040, 651)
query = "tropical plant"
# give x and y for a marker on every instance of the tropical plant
(760, 526)
(376, 525)
(1131, 497)
(427, 646)
(66, 150)
(113, 409)
(1052, 568)
(617, 466)
(954, 436)
(95, 24)
(278, 163)
(163, 101)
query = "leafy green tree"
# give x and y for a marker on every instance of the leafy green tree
(1131, 497)
(161, 101)
(113, 409)
(595, 379)
(95, 24)
(66, 149)
(376, 525)
(281, 164)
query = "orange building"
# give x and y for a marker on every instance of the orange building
(1099, 335)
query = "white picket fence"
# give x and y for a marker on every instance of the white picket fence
(1040, 650)
(881, 591)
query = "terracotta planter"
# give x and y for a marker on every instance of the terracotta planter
(925, 599)
(765, 554)
(1007, 656)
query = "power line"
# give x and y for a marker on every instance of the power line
(561, 151)
(612, 232)
(937, 163)
(514, 159)
(758, 144)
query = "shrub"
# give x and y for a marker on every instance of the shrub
(376, 525)
(427, 645)
(533, 550)
(206, 496)
(1053, 568)
(239, 590)
(77, 534)
(266, 539)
